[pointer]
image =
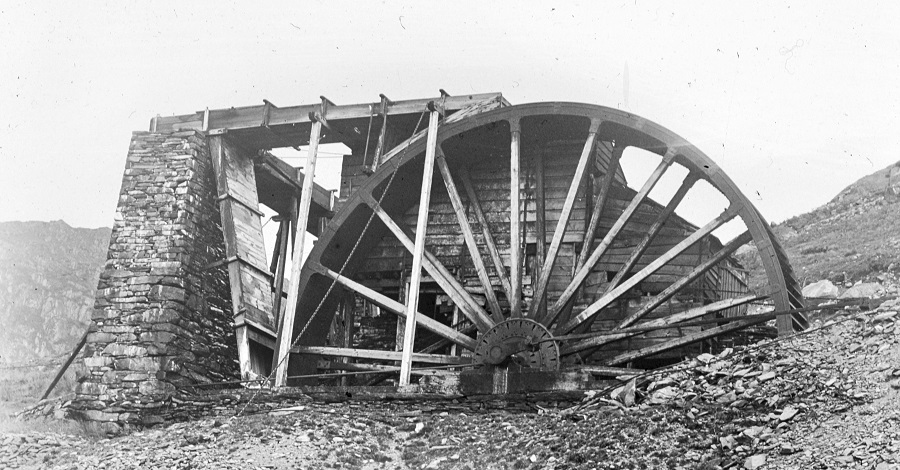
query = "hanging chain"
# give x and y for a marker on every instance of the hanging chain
(275, 367)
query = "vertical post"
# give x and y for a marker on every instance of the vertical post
(283, 241)
(540, 225)
(286, 325)
(412, 297)
(515, 230)
(347, 307)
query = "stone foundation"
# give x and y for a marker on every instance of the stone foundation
(162, 317)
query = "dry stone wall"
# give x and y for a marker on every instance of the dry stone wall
(162, 316)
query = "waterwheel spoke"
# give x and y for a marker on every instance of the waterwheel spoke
(486, 231)
(653, 231)
(582, 274)
(380, 355)
(540, 289)
(469, 237)
(651, 268)
(438, 271)
(606, 337)
(397, 308)
(591, 231)
(692, 276)
(599, 204)
(686, 339)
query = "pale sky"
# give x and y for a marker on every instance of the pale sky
(794, 101)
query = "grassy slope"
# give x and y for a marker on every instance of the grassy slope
(854, 235)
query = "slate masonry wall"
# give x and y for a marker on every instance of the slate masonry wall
(162, 316)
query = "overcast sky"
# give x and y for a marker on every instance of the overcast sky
(793, 101)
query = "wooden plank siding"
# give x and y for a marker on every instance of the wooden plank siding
(388, 259)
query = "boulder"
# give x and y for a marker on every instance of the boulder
(866, 290)
(823, 289)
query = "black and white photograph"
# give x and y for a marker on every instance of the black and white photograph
(473, 235)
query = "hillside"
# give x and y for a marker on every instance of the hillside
(854, 236)
(48, 277)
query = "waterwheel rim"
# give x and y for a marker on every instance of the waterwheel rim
(328, 264)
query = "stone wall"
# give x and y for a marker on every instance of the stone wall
(162, 317)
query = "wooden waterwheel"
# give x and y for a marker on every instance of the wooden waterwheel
(538, 252)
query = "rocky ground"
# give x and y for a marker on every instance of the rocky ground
(827, 398)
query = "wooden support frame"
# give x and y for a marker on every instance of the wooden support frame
(284, 341)
(412, 297)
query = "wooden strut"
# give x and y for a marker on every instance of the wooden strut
(65, 366)
(540, 224)
(598, 252)
(515, 231)
(692, 276)
(597, 339)
(651, 268)
(485, 231)
(398, 308)
(540, 289)
(283, 241)
(412, 302)
(588, 241)
(469, 237)
(283, 341)
(438, 271)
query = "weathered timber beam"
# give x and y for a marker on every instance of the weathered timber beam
(653, 231)
(692, 276)
(379, 355)
(515, 220)
(485, 231)
(685, 340)
(356, 366)
(284, 239)
(469, 237)
(248, 117)
(540, 225)
(588, 240)
(397, 308)
(593, 340)
(540, 289)
(284, 341)
(623, 219)
(651, 268)
(286, 174)
(599, 204)
(418, 252)
(433, 266)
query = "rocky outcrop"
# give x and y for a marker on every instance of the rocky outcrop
(48, 277)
